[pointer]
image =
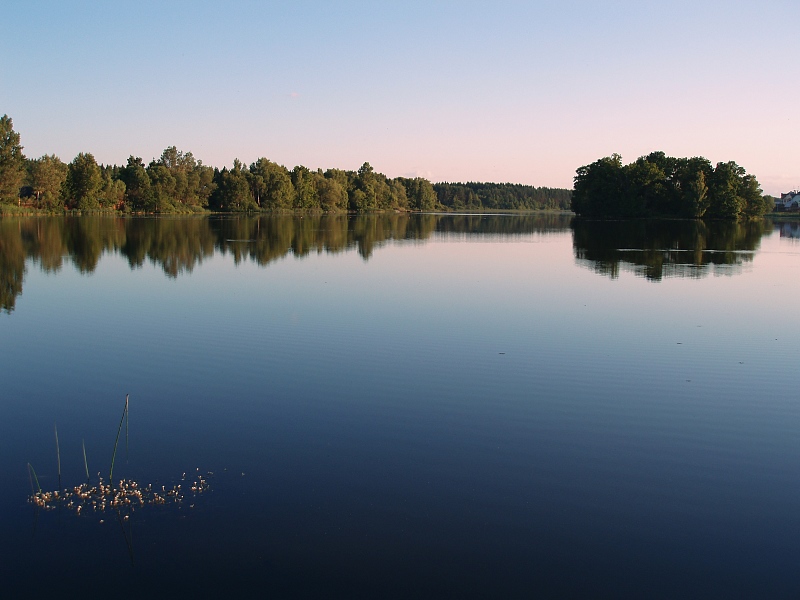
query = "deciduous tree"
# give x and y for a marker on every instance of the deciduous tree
(46, 176)
(83, 183)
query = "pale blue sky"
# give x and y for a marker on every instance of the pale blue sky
(453, 91)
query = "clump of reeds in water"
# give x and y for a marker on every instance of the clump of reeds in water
(123, 498)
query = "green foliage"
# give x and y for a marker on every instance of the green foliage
(499, 196)
(657, 185)
(330, 192)
(305, 190)
(600, 189)
(690, 183)
(186, 180)
(232, 192)
(364, 196)
(421, 194)
(46, 177)
(177, 182)
(344, 179)
(84, 181)
(369, 190)
(12, 162)
(112, 192)
(138, 193)
(457, 196)
(163, 187)
(271, 185)
(398, 197)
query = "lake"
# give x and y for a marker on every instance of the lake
(505, 406)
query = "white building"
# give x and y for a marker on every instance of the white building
(790, 201)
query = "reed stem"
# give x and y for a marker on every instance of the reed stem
(127, 420)
(85, 463)
(116, 441)
(32, 470)
(58, 453)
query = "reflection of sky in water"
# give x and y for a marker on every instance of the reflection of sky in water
(446, 403)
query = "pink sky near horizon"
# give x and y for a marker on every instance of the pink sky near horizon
(523, 92)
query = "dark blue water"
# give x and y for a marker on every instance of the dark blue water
(423, 406)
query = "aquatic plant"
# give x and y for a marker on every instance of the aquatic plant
(85, 462)
(32, 471)
(116, 441)
(58, 454)
(123, 498)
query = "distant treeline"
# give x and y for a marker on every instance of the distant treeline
(657, 185)
(176, 182)
(501, 196)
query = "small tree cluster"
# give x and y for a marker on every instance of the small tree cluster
(657, 185)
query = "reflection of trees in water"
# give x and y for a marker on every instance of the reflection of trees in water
(44, 243)
(12, 263)
(505, 225)
(658, 249)
(265, 239)
(86, 239)
(177, 245)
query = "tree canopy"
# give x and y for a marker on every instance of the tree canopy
(12, 161)
(177, 182)
(658, 185)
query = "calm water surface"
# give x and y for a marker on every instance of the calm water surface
(424, 406)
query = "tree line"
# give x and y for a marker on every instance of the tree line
(177, 182)
(658, 185)
(501, 196)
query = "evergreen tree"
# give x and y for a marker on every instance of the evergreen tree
(12, 162)
(138, 195)
(232, 192)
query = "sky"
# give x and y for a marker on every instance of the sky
(522, 92)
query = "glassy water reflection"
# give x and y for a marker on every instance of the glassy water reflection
(395, 406)
(658, 249)
(178, 245)
(653, 249)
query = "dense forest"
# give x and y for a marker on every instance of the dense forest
(177, 182)
(500, 196)
(657, 185)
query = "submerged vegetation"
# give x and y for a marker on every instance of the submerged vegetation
(177, 182)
